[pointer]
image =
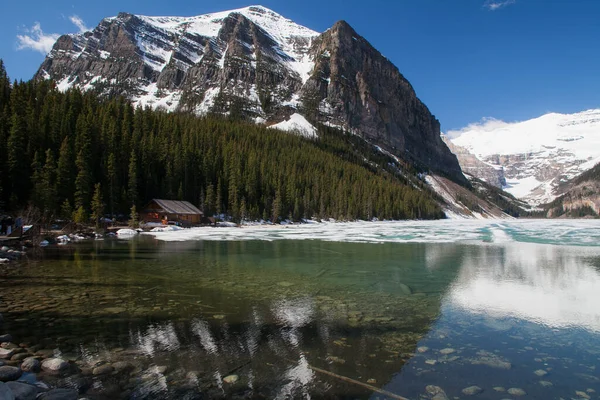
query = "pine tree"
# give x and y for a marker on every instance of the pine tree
(277, 208)
(209, 203)
(132, 189)
(97, 206)
(134, 218)
(18, 169)
(66, 211)
(65, 177)
(112, 183)
(80, 216)
(83, 162)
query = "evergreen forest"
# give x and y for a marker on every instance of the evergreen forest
(69, 155)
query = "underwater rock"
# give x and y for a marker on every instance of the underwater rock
(231, 379)
(436, 392)
(54, 365)
(517, 392)
(491, 360)
(8, 373)
(405, 289)
(31, 364)
(5, 338)
(22, 391)
(447, 351)
(6, 353)
(582, 395)
(103, 370)
(59, 394)
(472, 390)
(5, 392)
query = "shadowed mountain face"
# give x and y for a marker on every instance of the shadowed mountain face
(254, 63)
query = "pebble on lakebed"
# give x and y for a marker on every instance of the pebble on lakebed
(472, 390)
(231, 379)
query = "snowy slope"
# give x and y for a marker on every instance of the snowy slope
(167, 44)
(297, 123)
(539, 154)
(284, 31)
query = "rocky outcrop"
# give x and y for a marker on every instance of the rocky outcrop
(470, 164)
(255, 63)
(580, 197)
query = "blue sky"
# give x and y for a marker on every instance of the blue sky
(467, 59)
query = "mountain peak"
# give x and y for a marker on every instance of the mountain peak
(254, 62)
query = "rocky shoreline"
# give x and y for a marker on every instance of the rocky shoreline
(7, 254)
(29, 371)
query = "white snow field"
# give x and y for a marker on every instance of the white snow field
(544, 150)
(557, 232)
(297, 123)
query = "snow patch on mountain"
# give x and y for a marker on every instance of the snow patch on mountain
(283, 31)
(297, 123)
(537, 155)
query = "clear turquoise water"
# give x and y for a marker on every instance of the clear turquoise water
(299, 318)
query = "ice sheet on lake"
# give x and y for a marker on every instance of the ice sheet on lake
(558, 232)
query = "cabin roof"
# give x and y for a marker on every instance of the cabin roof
(177, 207)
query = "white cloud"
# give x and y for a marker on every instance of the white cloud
(78, 22)
(35, 39)
(487, 124)
(494, 5)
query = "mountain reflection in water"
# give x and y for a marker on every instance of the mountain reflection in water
(264, 319)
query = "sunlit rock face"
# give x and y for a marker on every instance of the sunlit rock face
(257, 64)
(548, 285)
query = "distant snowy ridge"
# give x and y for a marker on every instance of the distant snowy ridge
(537, 155)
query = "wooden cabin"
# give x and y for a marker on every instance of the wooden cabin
(165, 211)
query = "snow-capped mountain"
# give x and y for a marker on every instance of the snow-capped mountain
(257, 64)
(537, 156)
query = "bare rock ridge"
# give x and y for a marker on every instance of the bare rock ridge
(254, 62)
(470, 164)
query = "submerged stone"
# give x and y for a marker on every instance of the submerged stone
(31, 364)
(5, 392)
(22, 391)
(59, 394)
(447, 351)
(436, 392)
(517, 392)
(6, 353)
(54, 365)
(472, 390)
(8, 373)
(231, 379)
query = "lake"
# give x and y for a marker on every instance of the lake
(387, 310)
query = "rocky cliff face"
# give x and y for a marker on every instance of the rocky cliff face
(580, 197)
(470, 164)
(255, 63)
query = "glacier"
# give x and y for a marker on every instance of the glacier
(537, 155)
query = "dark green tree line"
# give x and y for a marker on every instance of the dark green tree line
(62, 152)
